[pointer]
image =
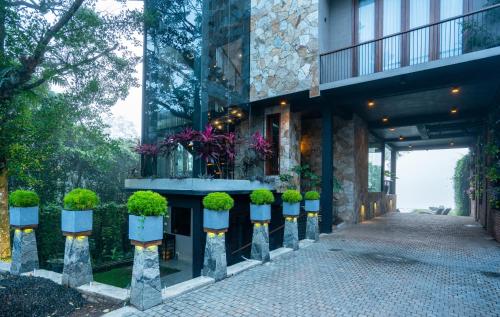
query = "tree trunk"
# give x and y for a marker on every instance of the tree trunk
(5, 252)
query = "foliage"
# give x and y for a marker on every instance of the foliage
(23, 198)
(291, 196)
(287, 180)
(374, 177)
(80, 199)
(49, 238)
(262, 197)
(218, 201)
(311, 195)
(461, 186)
(262, 148)
(147, 203)
(308, 178)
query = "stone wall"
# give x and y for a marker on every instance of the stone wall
(350, 162)
(284, 49)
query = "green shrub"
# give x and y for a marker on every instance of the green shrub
(262, 197)
(23, 198)
(291, 196)
(218, 201)
(80, 199)
(311, 195)
(147, 203)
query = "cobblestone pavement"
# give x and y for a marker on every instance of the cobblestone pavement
(397, 265)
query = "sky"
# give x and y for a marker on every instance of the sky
(424, 177)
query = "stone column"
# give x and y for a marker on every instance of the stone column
(214, 261)
(24, 254)
(291, 235)
(77, 269)
(260, 242)
(312, 228)
(145, 291)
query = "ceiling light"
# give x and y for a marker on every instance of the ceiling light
(454, 110)
(219, 127)
(385, 119)
(283, 103)
(216, 122)
(452, 144)
(239, 115)
(371, 104)
(234, 111)
(401, 138)
(455, 90)
(392, 129)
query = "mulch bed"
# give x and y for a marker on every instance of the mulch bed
(35, 296)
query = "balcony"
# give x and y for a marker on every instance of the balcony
(451, 40)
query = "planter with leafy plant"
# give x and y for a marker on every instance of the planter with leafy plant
(146, 210)
(76, 217)
(260, 206)
(312, 201)
(216, 212)
(291, 203)
(23, 209)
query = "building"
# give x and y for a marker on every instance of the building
(335, 85)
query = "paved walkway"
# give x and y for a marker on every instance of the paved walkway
(397, 265)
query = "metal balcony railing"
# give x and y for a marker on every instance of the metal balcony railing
(451, 37)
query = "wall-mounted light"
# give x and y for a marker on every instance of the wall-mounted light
(455, 90)
(454, 110)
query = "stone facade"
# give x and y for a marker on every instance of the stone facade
(284, 49)
(24, 253)
(350, 162)
(77, 269)
(260, 242)
(291, 234)
(145, 291)
(214, 262)
(312, 227)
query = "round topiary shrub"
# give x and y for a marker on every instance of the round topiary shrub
(23, 198)
(80, 199)
(291, 196)
(218, 202)
(311, 195)
(262, 197)
(147, 203)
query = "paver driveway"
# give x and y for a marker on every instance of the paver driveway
(396, 265)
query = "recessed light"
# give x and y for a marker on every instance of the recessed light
(239, 114)
(283, 103)
(234, 111)
(455, 90)
(452, 143)
(454, 110)
(401, 138)
(392, 129)
(385, 119)
(371, 104)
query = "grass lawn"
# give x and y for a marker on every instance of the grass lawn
(122, 276)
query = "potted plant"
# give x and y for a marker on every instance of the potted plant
(216, 212)
(312, 201)
(23, 209)
(76, 216)
(146, 210)
(291, 203)
(260, 206)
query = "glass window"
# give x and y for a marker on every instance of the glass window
(366, 32)
(391, 25)
(451, 31)
(273, 136)
(374, 169)
(181, 221)
(419, 39)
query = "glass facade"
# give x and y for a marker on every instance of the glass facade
(195, 72)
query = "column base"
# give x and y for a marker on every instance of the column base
(260, 242)
(312, 228)
(145, 291)
(291, 234)
(214, 261)
(77, 269)
(24, 252)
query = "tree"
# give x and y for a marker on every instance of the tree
(66, 43)
(461, 184)
(374, 177)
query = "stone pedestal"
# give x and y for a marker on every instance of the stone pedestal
(24, 253)
(291, 235)
(77, 269)
(312, 228)
(214, 261)
(260, 242)
(145, 291)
